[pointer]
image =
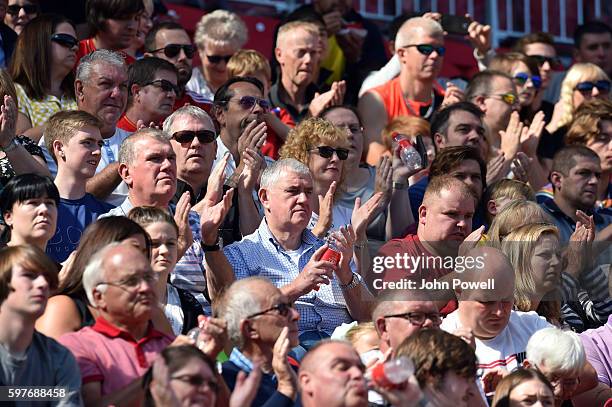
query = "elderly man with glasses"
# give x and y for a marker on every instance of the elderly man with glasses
(263, 327)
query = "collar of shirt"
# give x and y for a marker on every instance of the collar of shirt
(106, 328)
(554, 209)
(276, 99)
(241, 361)
(266, 235)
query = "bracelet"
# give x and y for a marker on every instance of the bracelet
(11, 146)
(399, 185)
(211, 247)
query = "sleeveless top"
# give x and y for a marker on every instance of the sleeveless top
(395, 104)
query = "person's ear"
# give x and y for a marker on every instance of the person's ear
(124, 173)
(78, 90)
(99, 301)
(422, 214)
(492, 207)
(264, 199)
(135, 90)
(278, 53)
(556, 179)
(527, 364)
(248, 330)
(391, 47)
(480, 102)
(8, 218)
(58, 150)
(219, 113)
(439, 140)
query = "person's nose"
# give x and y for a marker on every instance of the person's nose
(22, 13)
(294, 315)
(163, 248)
(41, 282)
(546, 66)
(595, 91)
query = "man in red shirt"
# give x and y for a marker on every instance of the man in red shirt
(112, 24)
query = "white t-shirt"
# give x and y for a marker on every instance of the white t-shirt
(506, 350)
(341, 216)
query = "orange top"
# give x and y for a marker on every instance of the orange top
(395, 103)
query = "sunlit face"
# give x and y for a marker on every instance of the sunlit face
(193, 158)
(270, 324)
(579, 97)
(396, 329)
(526, 90)
(531, 393)
(298, 55)
(543, 50)
(595, 48)
(579, 186)
(81, 154)
(497, 111)
(214, 59)
(181, 61)
(418, 65)
(164, 248)
(564, 383)
(325, 170)
(62, 56)
(458, 386)
(349, 122)
(469, 173)
(464, 129)
(194, 384)
(288, 203)
(29, 292)
(32, 221)
(601, 143)
(446, 219)
(155, 100)
(546, 264)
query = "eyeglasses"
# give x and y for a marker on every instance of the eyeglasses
(521, 78)
(563, 382)
(427, 49)
(509, 98)
(65, 40)
(164, 85)
(587, 87)
(418, 318)
(187, 136)
(554, 62)
(198, 381)
(282, 308)
(132, 282)
(327, 152)
(215, 59)
(172, 50)
(15, 9)
(248, 102)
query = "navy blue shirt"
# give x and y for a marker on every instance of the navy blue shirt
(73, 216)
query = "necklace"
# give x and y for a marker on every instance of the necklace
(428, 112)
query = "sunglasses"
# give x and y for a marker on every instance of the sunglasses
(509, 98)
(65, 40)
(187, 136)
(587, 87)
(247, 103)
(172, 50)
(15, 9)
(165, 85)
(215, 59)
(427, 49)
(521, 78)
(327, 152)
(554, 62)
(282, 308)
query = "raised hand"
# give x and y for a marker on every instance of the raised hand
(285, 375)
(479, 36)
(453, 94)
(495, 169)
(8, 120)
(471, 241)
(384, 176)
(162, 392)
(253, 165)
(326, 205)
(315, 273)
(333, 97)
(181, 217)
(363, 215)
(511, 137)
(246, 388)
(531, 138)
(344, 239)
(253, 136)
(213, 335)
(521, 165)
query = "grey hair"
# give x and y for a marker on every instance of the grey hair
(412, 25)
(239, 302)
(219, 28)
(560, 351)
(274, 172)
(127, 152)
(94, 274)
(189, 110)
(83, 72)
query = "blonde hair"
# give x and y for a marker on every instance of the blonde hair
(511, 189)
(286, 29)
(309, 134)
(577, 73)
(221, 28)
(516, 214)
(588, 116)
(356, 332)
(63, 125)
(248, 62)
(519, 247)
(407, 125)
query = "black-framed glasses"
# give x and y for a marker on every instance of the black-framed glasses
(327, 152)
(15, 9)
(418, 318)
(65, 40)
(521, 78)
(427, 49)
(602, 86)
(164, 85)
(172, 50)
(132, 282)
(282, 308)
(554, 62)
(215, 59)
(248, 102)
(198, 381)
(187, 136)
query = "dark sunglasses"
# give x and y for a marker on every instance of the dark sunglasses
(247, 103)
(554, 62)
(282, 308)
(521, 78)
(172, 50)
(215, 59)
(427, 49)
(327, 152)
(165, 85)
(187, 136)
(15, 9)
(587, 87)
(65, 40)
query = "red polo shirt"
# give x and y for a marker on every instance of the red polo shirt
(87, 46)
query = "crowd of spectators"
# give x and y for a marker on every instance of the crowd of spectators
(329, 225)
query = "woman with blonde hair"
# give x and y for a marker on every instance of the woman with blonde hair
(535, 254)
(515, 214)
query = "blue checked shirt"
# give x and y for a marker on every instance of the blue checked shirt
(259, 254)
(189, 273)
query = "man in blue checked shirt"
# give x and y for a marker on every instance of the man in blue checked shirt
(284, 251)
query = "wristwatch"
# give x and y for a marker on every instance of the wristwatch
(355, 281)
(11, 146)
(211, 247)
(399, 185)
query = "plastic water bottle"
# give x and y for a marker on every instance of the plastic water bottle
(409, 155)
(332, 254)
(392, 373)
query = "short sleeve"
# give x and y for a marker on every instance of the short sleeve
(90, 371)
(236, 258)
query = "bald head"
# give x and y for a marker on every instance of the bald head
(495, 267)
(416, 27)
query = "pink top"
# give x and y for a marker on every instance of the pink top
(111, 356)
